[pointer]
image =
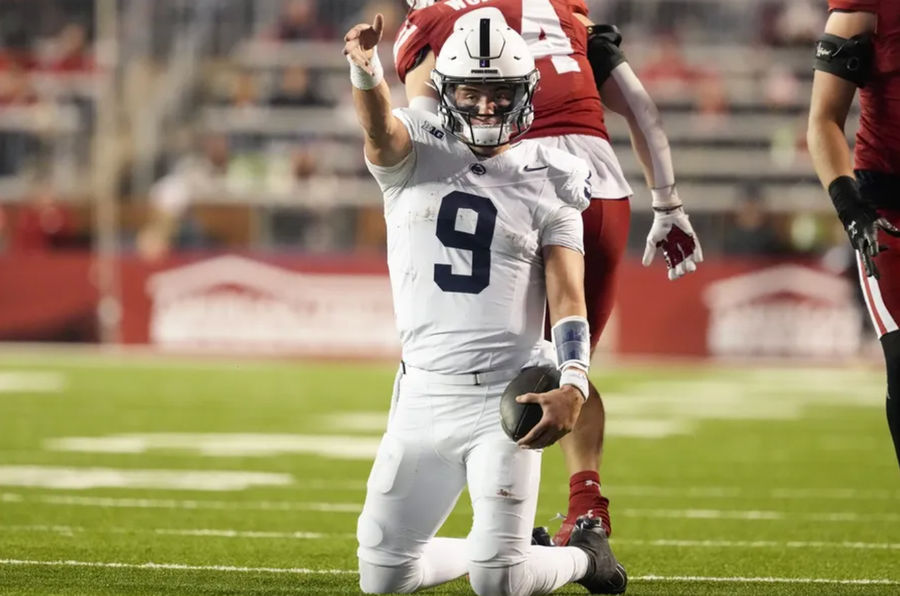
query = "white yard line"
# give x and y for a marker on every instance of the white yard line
(196, 532)
(240, 534)
(56, 529)
(734, 492)
(181, 503)
(758, 515)
(765, 580)
(734, 514)
(304, 571)
(232, 533)
(353, 447)
(178, 566)
(359, 485)
(691, 492)
(758, 544)
(32, 382)
(59, 477)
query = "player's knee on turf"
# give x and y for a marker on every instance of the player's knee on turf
(382, 579)
(496, 567)
(495, 581)
(381, 569)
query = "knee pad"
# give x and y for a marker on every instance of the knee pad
(890, 343)
(391, 478)
(380, 579)
(369, 534)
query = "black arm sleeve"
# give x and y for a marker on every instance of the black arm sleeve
(851, 59)
(603, 51)
(420, 57)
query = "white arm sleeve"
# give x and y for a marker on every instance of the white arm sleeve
(647, 116)
(564, 228)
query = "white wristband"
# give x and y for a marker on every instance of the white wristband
(577, 378)
(361, 79)
(665, 198)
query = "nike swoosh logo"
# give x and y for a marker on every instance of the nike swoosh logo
(535, 169)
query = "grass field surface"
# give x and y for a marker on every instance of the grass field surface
(185, 476)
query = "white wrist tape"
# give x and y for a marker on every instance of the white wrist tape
(573, 375)
(665, 198)
(361, 79)
(572, 339)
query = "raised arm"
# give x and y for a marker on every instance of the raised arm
(387, 140)
(843, 62)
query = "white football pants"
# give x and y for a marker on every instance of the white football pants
(439, 438)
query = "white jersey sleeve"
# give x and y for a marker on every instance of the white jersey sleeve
(564, 228)
(393, 177)
(423, 129)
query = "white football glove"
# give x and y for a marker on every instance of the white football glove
(672, 232)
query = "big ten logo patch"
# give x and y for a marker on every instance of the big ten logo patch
(434, 131)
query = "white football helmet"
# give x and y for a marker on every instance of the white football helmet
(485, 61)
(417, 4)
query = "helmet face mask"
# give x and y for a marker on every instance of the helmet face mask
(485, 78)
(486, 112)
(417, 4)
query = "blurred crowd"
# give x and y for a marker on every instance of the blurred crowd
(244, 103)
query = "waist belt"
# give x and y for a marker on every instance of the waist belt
(474, 378)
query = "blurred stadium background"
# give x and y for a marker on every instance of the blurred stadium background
(186, 177)
(137, 137)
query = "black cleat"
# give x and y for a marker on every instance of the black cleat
(541, 537)
(605, 575)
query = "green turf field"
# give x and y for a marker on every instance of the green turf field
(179, 476)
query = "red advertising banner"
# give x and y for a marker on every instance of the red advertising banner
(343, 307)
(47, 298)
(292, 305)
(738, 308)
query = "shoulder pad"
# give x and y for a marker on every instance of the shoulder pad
(609, 33)
(603, 51)
(424, 127)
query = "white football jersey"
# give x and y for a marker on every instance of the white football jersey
(464, 239)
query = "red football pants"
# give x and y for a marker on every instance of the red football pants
(605, 235)
(883, 294)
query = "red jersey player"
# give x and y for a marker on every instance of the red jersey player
(579, 62)
(861, 48)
